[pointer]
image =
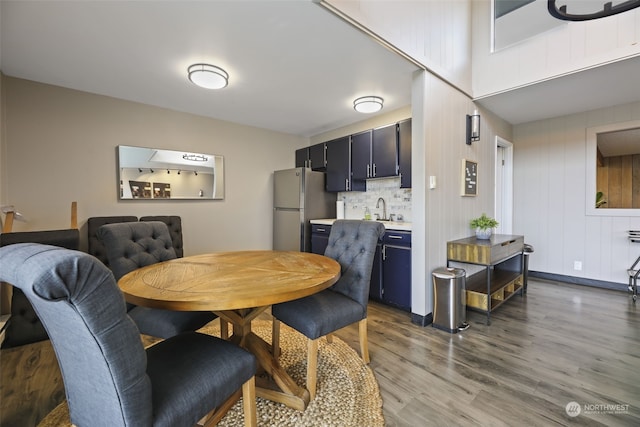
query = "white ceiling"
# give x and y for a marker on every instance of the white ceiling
(294, 67)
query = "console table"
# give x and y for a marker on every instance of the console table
(502, 275)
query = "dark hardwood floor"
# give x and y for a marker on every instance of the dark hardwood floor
(558, 344)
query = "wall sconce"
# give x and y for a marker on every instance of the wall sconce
(368, 104)
(473, 127)
(208, 76)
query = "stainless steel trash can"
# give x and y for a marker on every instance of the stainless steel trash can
(450, 302)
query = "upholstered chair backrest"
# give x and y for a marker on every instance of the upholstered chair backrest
(96, 247)
(98, 347)
(24, 327)
(174, 223)
(131, 245)
(353, 244)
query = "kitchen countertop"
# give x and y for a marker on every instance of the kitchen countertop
(389, 225)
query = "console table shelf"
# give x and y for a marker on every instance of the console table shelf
(502, 275)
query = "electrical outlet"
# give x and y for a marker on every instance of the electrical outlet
(577, 265)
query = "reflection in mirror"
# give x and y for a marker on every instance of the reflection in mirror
(518, 20)
(150, 173)
(613, 170)
(618, 169)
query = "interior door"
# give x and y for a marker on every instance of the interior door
(504, 186)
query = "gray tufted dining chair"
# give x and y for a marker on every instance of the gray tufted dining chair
(353, 244)
(131, 245)
(109, 378)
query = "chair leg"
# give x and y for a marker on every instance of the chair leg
(275, 338)
(364, 345)
(312, 367)
(249, 402)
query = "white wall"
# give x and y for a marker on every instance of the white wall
(550, 198)
(434, 33)
(446, 213)
(60, 146)
(568, 48)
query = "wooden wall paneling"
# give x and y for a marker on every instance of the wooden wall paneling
(635, 186)
(614, 164)
(602, 182)
(626, 182)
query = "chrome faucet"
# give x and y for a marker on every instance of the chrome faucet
(384, 207)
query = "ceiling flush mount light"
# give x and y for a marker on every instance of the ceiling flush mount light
(195, 157)
(208, 76)
(473, 127)
(368, 104)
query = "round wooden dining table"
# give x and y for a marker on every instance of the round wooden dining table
(237, 286)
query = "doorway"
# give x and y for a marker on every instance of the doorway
(504, 186)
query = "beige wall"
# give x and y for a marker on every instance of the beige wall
(60, 146)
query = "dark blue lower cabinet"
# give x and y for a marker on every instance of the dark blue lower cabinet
(391, 272)
(319, 238)
(375, 287)
(396, 276)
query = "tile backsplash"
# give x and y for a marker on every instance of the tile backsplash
(398, 199)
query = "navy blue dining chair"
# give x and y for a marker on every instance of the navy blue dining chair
(109, 378)
(353, 244)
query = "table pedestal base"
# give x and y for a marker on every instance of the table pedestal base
(272, 381)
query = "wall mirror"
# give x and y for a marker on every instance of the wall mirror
(613, 169)
(151, 173)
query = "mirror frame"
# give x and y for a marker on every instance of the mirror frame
(210, 168)
(591, 173)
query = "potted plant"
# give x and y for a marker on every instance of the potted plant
(484, 226)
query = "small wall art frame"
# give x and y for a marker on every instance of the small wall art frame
(469, 180)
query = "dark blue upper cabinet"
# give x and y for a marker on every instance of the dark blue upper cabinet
(313, 157)
(404, 153)
(361, 156)
(318, 157)
(384, 152)
(339, 166)
(302, 157)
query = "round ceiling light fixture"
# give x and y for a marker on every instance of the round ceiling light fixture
(368, 104)
(208, 76)
(195, 157)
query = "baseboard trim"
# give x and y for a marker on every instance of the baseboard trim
(420, 320)
(579, 281)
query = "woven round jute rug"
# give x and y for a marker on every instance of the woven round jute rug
(347, 392)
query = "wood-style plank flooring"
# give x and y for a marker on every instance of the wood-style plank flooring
(558, 344)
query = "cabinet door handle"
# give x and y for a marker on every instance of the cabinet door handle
(394, 236)
(384, 252)
(320, 229)
(368, 170)
(374, 171)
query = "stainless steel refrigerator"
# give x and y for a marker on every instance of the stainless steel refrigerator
(298, 196)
